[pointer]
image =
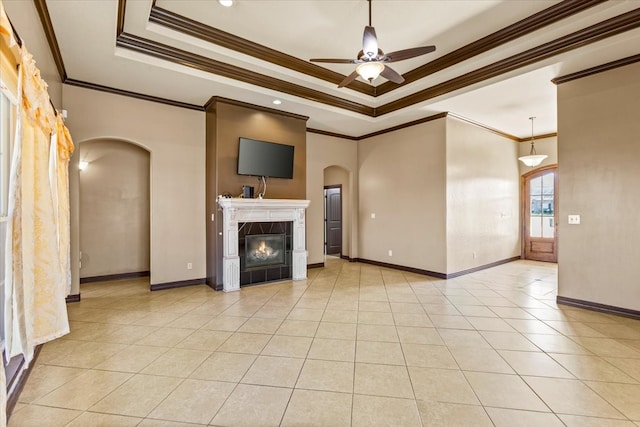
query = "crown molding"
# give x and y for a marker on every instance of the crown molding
(485, 127)
(507, 34)
(188, 59)
(405, 125)
(537, 137)
(218, 37)
(122, 9)
(521, 28)
(211, 103)
(101, 88)
(47, 26)
(608, 28)
(333, 134)
(597, 69)
(594, 33)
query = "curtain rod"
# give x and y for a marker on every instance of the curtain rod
(19, 40)
(15, 33)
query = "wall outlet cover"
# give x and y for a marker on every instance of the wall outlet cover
(574, 219)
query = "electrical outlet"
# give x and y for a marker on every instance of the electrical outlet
(574, 219)
(189, 266)
(390, 252)
(373, 216)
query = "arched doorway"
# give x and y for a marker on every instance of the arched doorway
(114, 210)
(540, 214)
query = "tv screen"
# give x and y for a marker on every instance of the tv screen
(261, 158)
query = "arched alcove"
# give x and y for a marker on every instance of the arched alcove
(114, 209)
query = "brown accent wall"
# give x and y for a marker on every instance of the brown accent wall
(211, 191)
(227, 121)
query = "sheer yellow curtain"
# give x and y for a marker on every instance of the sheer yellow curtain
(37, 276)
(39, 206)
(62, 149)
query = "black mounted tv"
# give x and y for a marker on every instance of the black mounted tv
(268, 159)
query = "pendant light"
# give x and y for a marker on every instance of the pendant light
(532, 159)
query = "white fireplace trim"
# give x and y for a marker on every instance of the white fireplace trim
(260, 210)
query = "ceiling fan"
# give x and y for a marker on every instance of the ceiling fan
(372, 60)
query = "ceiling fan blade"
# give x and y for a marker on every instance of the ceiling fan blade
(351, 77)
(400, 55)
(391, 75)
(334, 60)
(370, 42)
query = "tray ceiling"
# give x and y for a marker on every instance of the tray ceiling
(493, 64)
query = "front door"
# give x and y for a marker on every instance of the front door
(541, 214)
(333, 220)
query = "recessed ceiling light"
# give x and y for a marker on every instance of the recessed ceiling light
(277, 101)
(226, 3)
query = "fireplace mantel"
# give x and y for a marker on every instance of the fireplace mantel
(237, 211)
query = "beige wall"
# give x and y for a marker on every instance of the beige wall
(599, 153)
(335, 175)
(175, 139)
(403, 182)
(548, 146)
(323, 152)
(114, 207)
(483, 195)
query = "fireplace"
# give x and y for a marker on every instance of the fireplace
(265, 251)
(262, 250)
(238, 215)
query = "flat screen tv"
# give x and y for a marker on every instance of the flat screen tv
(268, 159)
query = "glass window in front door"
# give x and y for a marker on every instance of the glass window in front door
(541, 202)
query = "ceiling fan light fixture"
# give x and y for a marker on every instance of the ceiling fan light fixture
(370, 70)
(533, 159)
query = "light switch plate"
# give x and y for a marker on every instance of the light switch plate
(574, 219)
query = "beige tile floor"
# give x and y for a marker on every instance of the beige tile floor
(354, 345)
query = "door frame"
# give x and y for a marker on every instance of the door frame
(523, 206)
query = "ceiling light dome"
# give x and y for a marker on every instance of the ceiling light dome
(226, 3)
(370, 70)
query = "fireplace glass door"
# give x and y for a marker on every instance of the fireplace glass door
(264, 249)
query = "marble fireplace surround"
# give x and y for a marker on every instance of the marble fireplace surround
(238, 211)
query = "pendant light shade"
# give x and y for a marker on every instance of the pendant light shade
(532, 159)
